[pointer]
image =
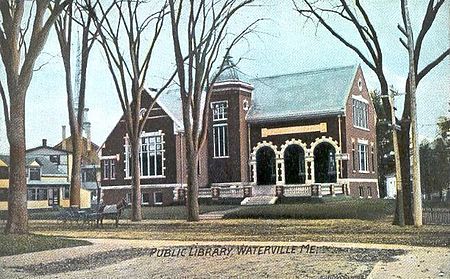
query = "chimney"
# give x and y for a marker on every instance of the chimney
(63, 142)
(44, 142)
(87, 128)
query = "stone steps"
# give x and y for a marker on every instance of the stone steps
(259, 200)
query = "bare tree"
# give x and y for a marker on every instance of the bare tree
(206, 23)
(354, 13)
(64, 29)
(23, 34)
(417, 191)
(120, 26)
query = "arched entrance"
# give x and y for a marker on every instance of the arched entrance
(325, 163)
(265, 166)
(294, 165)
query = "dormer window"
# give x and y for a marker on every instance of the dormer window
(35, 174)
(220, 110)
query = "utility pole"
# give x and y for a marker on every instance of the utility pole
(417, 191)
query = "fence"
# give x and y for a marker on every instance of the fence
(439, 216)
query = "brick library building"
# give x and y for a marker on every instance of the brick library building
(308, 134)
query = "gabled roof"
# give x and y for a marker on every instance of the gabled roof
(47, 167)
(68, 142)
(47, 150)
(301, 95)
(5, 159)
(170, 102)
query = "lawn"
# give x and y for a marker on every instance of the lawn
(334, 230)
(148, 213)
(19, 244)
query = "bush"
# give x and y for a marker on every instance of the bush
(327, 209)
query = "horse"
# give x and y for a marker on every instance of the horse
(113, 211)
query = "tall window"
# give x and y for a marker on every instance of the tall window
(363, 160)
(353, 157)
(220, 136)
(373, 159)
(360, 114)
(109, 169)
(151, 155)
(220, 110)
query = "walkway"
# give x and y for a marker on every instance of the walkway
(117, 258)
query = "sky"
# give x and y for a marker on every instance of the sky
(284, 43)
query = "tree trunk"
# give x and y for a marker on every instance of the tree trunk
(75, 183)
(192, 181)
(17, 195)
(404, 149)
(136, 197)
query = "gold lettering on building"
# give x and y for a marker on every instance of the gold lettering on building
(322, 128)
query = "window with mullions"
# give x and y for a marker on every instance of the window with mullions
(220, 110)
(220, 136)
(37, 194)
(360, 114)
(109, 169)
(363, 160)
(151, 156)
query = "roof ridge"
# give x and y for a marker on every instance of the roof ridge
(316, 71)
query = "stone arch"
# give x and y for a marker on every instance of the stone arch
(264, 144)
(337, 155)
(329, 140)
(294, 164)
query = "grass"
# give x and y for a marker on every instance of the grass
(334, 230)
(19, 244)
(363, 209)
(148, 213)
(173, 212)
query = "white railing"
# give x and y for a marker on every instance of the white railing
(204, 193)
(297, 190)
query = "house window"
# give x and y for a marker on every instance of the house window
(109, 169)
(220, 110)
(361, 192)
(66, 193)
(360, 114)
(54, 159)
(363, 160)
(369, 192)
(37, 194)
(158, 198)
(35, 173)
(145, 198)
(220, 137)
(3, 194)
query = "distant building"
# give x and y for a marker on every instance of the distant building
(302, 134)
(90, 162)
(48, 178)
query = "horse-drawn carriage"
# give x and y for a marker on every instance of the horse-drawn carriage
(94, 216)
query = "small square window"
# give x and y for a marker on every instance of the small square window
(145, 198)
(158, 198)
